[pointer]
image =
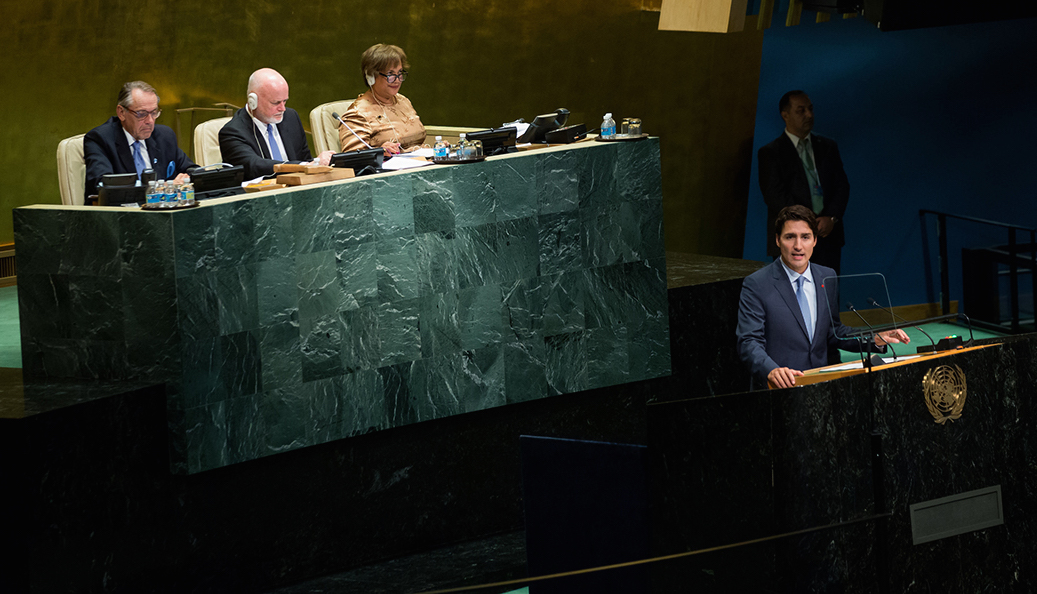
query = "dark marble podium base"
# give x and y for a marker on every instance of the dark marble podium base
(745, 466)
(93, 507)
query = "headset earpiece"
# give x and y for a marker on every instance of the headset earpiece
(253, 101)
(370, 80)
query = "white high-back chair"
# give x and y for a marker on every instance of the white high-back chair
(207, 141)
(71, 170)
(324, 127)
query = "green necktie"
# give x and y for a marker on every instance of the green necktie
(806, 155)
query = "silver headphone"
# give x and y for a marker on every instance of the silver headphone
(253, 101)
(370, 80)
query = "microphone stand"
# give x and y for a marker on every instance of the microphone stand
(335, 115)
(873, 359)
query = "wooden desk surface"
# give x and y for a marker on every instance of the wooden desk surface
(824, 374)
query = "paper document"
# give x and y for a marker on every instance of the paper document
(421, 152)
(520, 129)
(396, 163)
(858, 365)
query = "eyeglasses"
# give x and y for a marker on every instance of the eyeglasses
(391, 78)
(140, 115)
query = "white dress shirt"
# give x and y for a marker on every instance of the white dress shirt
(143, 153)
(265, 139)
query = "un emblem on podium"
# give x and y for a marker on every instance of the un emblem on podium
(945, 392)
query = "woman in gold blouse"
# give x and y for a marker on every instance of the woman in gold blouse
(382, 116)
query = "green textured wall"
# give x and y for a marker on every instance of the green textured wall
(472, 64)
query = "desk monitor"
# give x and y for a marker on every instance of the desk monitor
(207, 180)
(362, 162)
(116, 195)
(495, 141)
(119, 188)
(543, 124)
(118, 179)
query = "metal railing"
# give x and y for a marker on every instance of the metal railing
(1014, 248)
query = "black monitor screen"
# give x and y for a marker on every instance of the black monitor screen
(119, 179)
(206, 180)
(495, 141)
(361, 162)
(543, 124)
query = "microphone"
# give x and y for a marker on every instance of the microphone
(872, 359)
(335, 115)
(872, 301)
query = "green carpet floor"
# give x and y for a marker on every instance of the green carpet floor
(10, 340)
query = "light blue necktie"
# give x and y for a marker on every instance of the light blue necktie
(275, 152)
(804, 306)
(138, 159)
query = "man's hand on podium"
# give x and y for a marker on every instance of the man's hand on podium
(891, 336)
(783, 377)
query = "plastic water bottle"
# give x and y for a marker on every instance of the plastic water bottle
(153, 195)
(172, 192)
(608, 126)
(464, 148)
(441, 150)
(187, 193)
(475, 149)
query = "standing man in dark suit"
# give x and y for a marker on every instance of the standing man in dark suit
(131, 141)
(266, 132)
(803, 168)
(784, 323)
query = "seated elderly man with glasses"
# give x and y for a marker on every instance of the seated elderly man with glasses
(382, 117)
(131, 141)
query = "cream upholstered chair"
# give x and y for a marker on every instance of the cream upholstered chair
(207, 141)
(71, 170)
(324, 127)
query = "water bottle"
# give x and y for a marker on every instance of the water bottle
(464, 148)
(187, 193)
(172, 192)
(441, 150)
(476, 149)
(608, 126)
(153, 196)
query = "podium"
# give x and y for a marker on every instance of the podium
(841, 370)
(859, 459)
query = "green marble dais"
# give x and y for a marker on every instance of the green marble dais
(291, 319)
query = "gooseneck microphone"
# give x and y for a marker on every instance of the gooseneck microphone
(335, 115)
(871, 300)
(872, 359)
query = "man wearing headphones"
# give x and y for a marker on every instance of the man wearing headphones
(266, 131)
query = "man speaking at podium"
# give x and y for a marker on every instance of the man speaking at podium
(784, 323)
(266, 131)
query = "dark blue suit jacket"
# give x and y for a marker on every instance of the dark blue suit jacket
(239, 143)
(771, 331)
(106, 151)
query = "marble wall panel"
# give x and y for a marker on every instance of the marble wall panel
(194, 241)
(295, 318)
(514, 184)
